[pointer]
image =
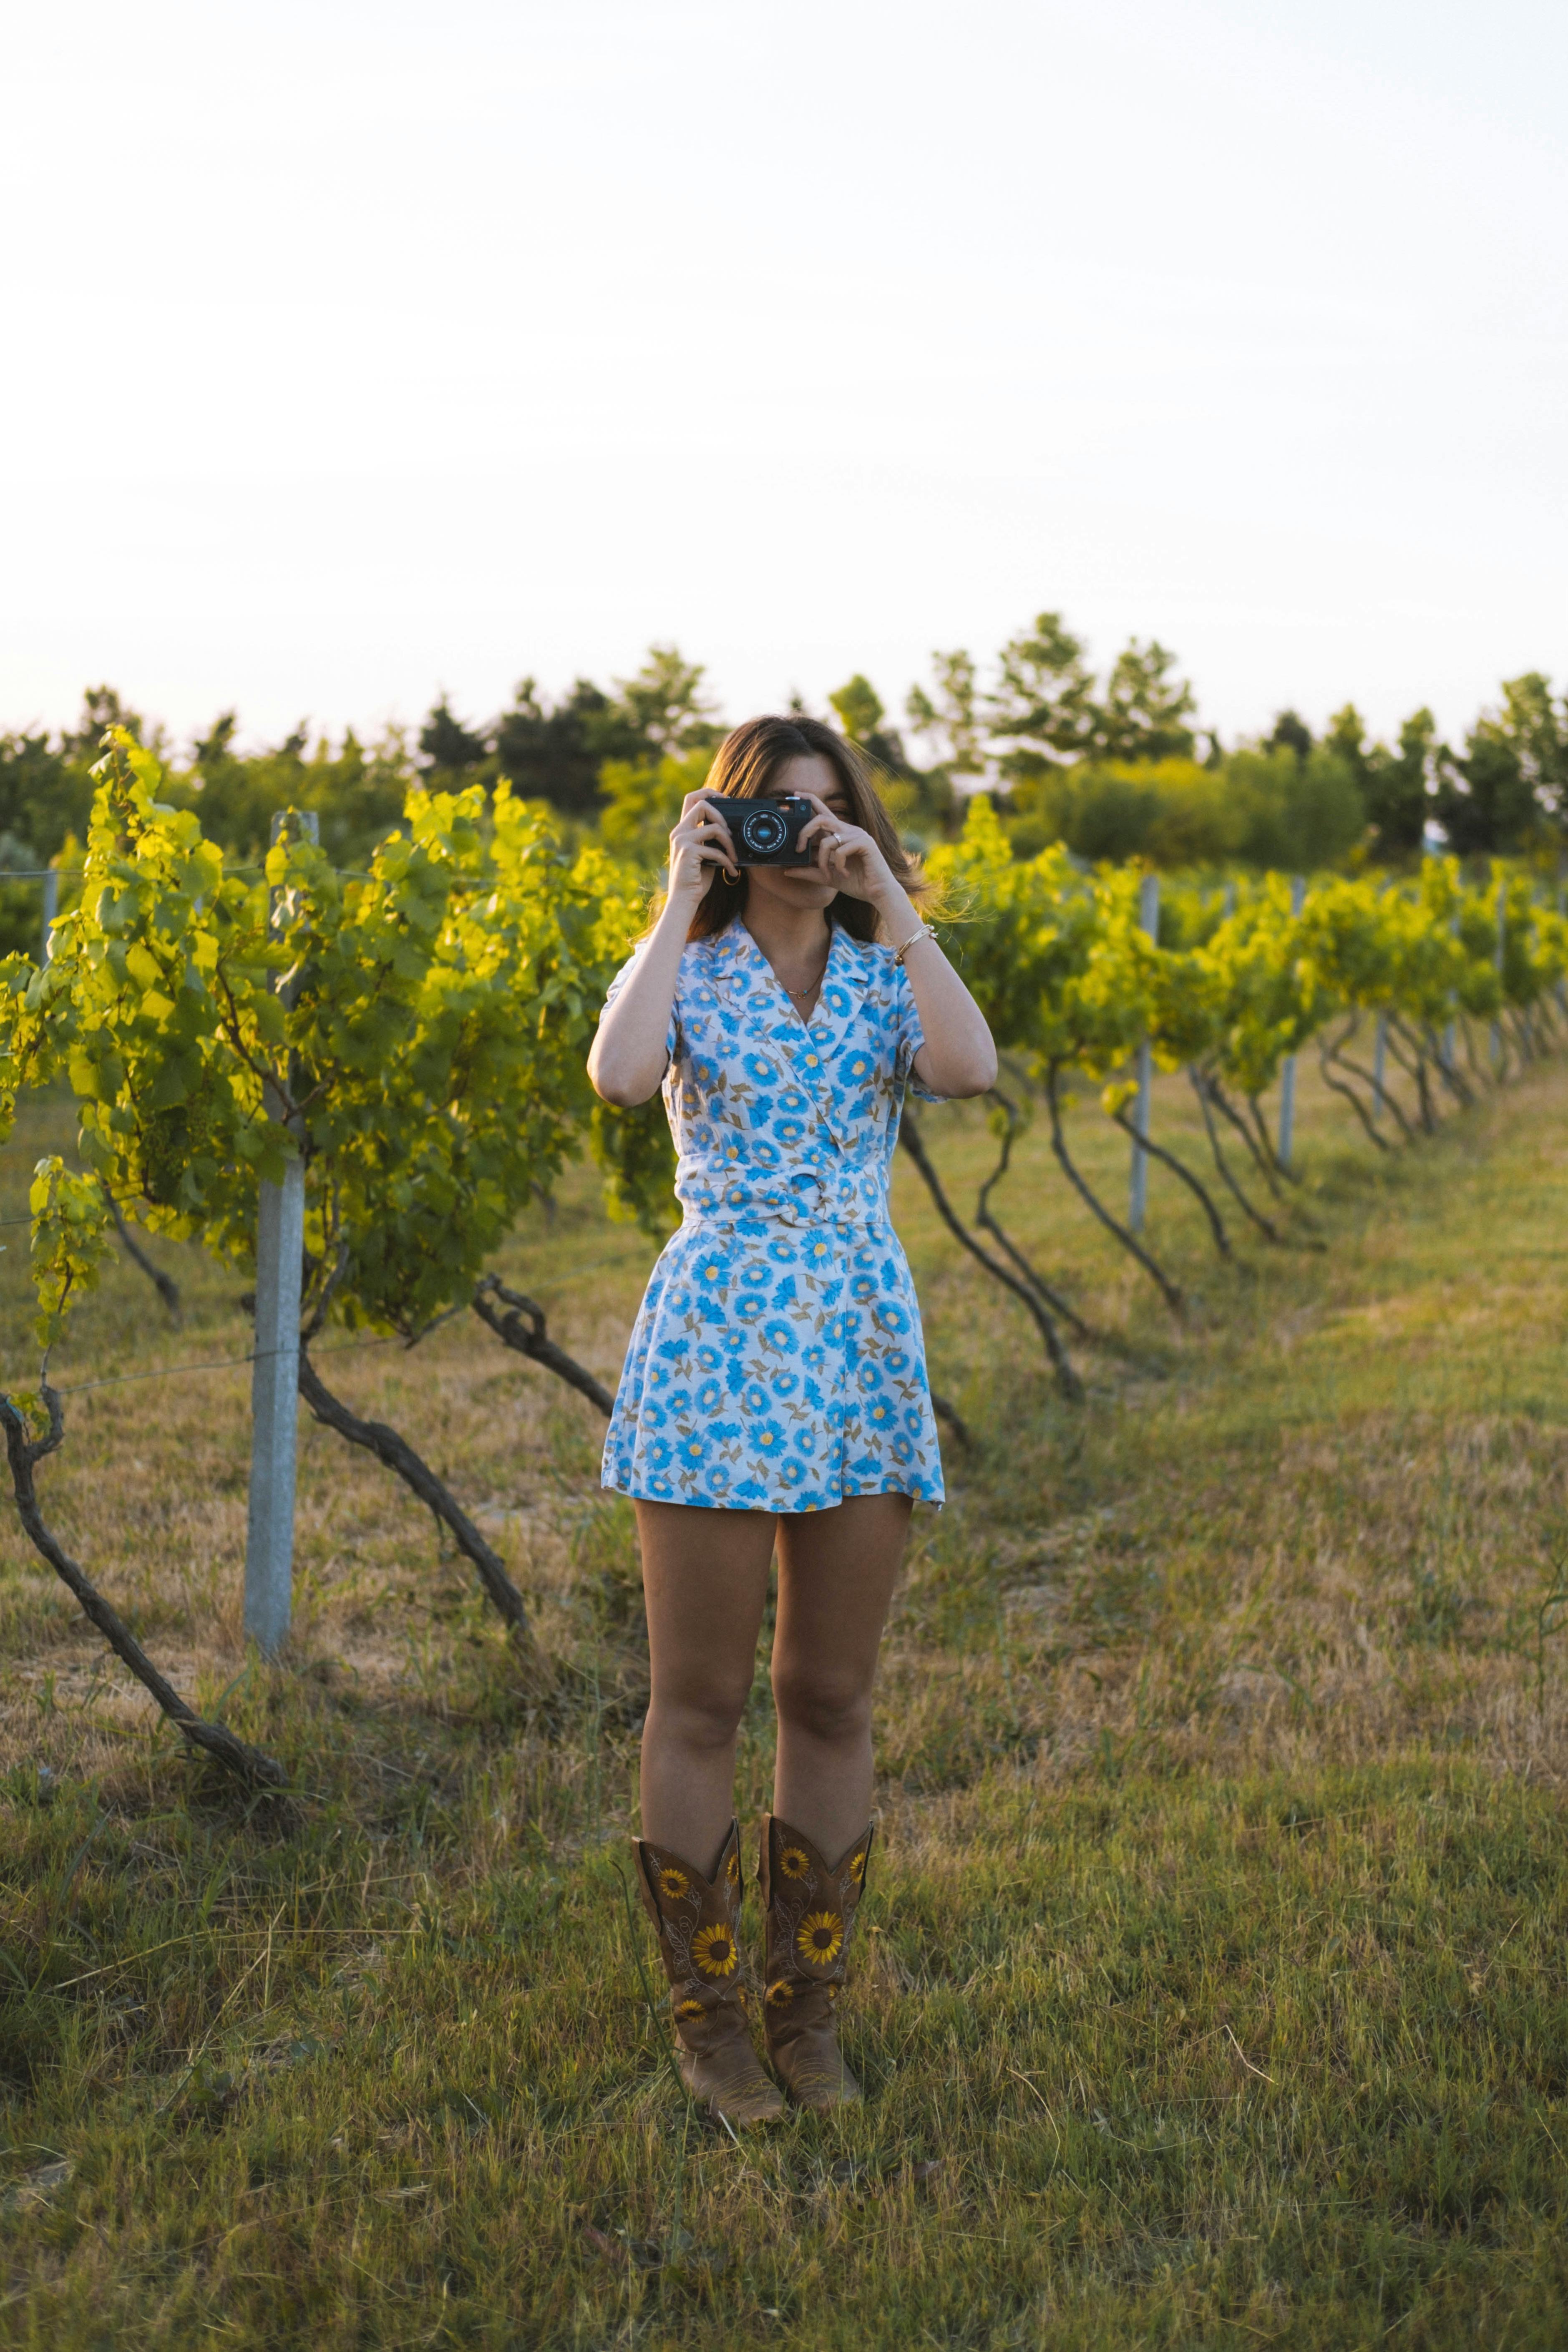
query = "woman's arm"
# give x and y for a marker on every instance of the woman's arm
(958, 1057)
(627, 1061)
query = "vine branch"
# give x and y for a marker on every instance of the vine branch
(247, 1764)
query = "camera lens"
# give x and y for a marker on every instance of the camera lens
(764, 831)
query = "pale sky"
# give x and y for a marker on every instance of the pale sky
(356, 352)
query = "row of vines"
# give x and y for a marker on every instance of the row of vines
(416, 1035)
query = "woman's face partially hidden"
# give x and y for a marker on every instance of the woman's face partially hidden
(801, 886)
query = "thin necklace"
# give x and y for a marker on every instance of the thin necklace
(817, 983)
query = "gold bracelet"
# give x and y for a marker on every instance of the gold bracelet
(925, 932)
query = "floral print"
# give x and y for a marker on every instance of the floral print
(777, 1361)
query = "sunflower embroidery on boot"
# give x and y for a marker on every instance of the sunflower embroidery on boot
(819, 1939)
(811, 1909)
(713, 1949)
(697, 1921)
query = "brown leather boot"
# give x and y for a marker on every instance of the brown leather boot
(810, 1912)
(699, 1921)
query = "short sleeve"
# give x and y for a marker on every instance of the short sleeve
(672, 1035)
(910, 1037)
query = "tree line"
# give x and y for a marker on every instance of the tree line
(1111, 764)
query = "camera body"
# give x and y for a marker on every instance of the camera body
(767, 831)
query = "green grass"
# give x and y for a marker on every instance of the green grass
(1211, 1991)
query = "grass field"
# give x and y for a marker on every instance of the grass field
(1212, 1987)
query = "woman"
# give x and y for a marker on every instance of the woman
(774, 1391)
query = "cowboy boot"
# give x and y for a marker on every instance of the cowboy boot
(810, 1915)
(698, 1922)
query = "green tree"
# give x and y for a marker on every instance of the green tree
(1290, 733)
(1042, 706)
(1144, 711)
(448, 747)
(555, 753)
(952, 720)
(1046, 708)
(1509, 786)
(1395, 786)
(665, 705)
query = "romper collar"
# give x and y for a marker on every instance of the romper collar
(811, 1046)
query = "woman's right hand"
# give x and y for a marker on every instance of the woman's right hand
(700, 841)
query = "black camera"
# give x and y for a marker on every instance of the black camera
(767, 832)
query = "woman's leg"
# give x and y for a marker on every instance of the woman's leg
(705, 1583)
(836, 1573)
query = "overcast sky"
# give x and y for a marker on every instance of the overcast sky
(356, 352)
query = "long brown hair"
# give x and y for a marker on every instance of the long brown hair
(747, 766)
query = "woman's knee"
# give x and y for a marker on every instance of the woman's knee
(698, 1715)
(814, 1699)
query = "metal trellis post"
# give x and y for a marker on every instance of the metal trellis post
(51, 909)
(1379, 1066)
(1501, 960)
(275, 1379)
(1138, 1186)
(1288, 1068)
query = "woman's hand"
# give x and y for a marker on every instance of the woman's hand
(849, 858)
(700, 841)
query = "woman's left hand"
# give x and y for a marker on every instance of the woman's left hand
(847, 854)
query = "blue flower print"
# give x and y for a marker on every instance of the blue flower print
(783, 1302)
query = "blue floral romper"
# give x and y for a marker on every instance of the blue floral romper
(778, 1363)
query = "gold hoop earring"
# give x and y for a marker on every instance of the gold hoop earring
(731, 881)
